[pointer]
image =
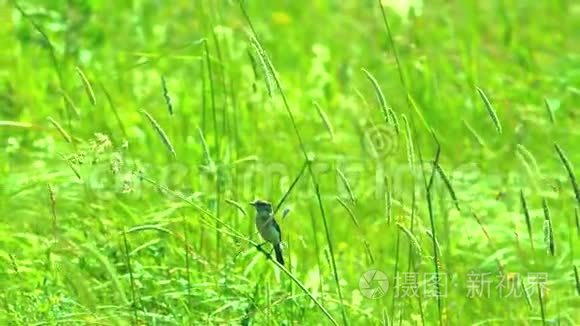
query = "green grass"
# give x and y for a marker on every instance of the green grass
(134, 134)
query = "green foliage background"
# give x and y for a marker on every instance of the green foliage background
(101, 224)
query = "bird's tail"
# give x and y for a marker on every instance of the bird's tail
(278, 251)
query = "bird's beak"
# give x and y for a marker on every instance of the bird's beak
(253, 203)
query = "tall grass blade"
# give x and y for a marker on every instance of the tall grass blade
(52, 201)
(187, 258)
(126, 252)
(577, 279)
(490, 110)
(47, 41)
(354, 219)
(350, 212)
(417, 111)
(435, 244)
(325, 120)
(294, 183)
(166, 95)
(388, 113)
(409, 143)
(529, 157)
(267, 71)
(161, 133)
(527, 294)
(392, 42)
(346, 184)
(448, 185)
(550, 111)
(113, 108)
(527, 217)
(474, 133)
(206, 152)
(389, 200)
(87, 86)
(542, 308)
(577, 216)
(570, 171)
(61, 130)
(237, 205)
(412, 239)
(548, 230)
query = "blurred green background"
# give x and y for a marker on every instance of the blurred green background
(134, 133)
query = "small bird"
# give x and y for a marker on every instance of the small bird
(268, 227)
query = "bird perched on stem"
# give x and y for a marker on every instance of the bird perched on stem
(268, 227)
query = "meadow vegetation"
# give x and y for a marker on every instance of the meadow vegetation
(423, 154)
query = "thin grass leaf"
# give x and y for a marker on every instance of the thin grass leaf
(325, 120)
(409, 143)
(570, 171)
(187, 258)
(389, 199)
(289, 191)
(349, 211)
(17, 124)
(437, 245)
(526, 165)
(52, 201)
(166, 95)
(380, 96)
(47, 41)
(61, 130)
(369, 252)
(354, 219)
(113, 108)
(206, 152)
(161, 133)
(254, 66)
(267, 72)
(483, 229)
(541, 299)
(550, 111)
(346, 185)
(87, 86)
(529, 157)
(577, 278)
(415, 107)
(527, 294)
(129, 267)
(527, 217)
(577, 216)
(412, 239)
(490, 110)
(72, 167)
(395, 120)
(448, 185)
(396, 272)
(285, 212)
(548, 230)
(435, 163)
(149, 227)
(69, 103)
(237, 205)
(472, 131)
(388, 113)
